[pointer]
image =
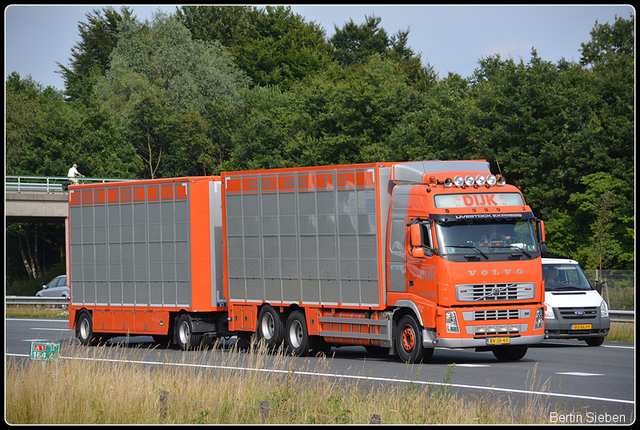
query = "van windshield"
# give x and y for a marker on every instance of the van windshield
(564, 277)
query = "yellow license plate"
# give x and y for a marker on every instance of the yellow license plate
(580, 326)
(498, 340)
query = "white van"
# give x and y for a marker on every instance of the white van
(573, 308)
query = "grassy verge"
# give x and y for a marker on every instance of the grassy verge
(95, 391)
(36, 311)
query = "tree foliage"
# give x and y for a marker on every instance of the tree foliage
(90, 57)
(273, 45)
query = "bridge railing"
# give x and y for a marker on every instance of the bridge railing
(47, 184)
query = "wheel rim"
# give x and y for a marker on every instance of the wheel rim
(84, 328)
(184, 333)
(295, 334)
(408, 339)
(268, 326)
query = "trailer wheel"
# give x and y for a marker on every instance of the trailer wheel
(84, 329)
(296, 335)
(510, 353)
(408, 339)
(185, 339)
(270, 327)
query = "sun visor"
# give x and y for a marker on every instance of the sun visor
(419, 172)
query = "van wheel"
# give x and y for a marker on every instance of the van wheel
(510, 353)
(296, 335)
(594, 341)
(270, 327)
(84, 329)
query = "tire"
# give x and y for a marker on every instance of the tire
(594, 341)
(270, 327)
(246, 340)
(376, 350)
(183, 333)
(296, 335)
(318, 346)
(162, 339)
(84, 329)
(510, 353)
(408, 339)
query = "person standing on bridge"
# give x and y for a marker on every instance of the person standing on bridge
(73, 174)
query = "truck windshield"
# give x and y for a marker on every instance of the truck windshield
(486, 237)
(564, 277)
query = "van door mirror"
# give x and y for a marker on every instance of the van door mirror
(599, 287)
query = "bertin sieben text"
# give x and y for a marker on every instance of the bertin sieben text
(587, 418)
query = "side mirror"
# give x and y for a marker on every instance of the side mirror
(415, 241)
(599, 287)
(541, 236)
(416, 235)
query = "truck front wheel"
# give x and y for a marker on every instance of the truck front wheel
(408, 339)
(510, 353)
(296, 335)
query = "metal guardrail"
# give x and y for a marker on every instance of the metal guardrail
(30, 300)
(617, 316)
(622, 316)
(48, 184)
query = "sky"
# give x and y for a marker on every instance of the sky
(449, 38)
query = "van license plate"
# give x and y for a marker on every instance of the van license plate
(498, 340)
(580, 326)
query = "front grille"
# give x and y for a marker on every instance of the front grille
(502, 314)
(578, 313)
(495, 292)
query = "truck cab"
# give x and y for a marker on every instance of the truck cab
(574, 309)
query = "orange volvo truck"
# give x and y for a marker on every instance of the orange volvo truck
(397, 257)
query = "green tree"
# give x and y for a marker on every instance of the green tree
(353, 43)
(610, 43)
(162, 60)
(90, 57)
(605, 207)
(273, 46)
(160, 75)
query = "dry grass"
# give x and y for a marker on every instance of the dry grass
(91, 390)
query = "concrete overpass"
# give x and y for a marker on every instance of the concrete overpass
(36, 207)
(39, 199)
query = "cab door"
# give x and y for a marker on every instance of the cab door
(421, 267)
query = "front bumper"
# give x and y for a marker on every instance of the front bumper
(562, 329)
(479, 342)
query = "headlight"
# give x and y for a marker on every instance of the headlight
(458, 181)
(548, 312)
(604, 310)
(469, 180)
(452, 322)
(538, 323)
(480, 180)
(491, 180)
